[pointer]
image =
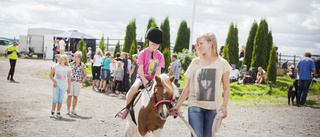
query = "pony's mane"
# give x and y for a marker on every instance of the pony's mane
(168, 85)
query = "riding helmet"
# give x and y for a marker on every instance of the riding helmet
(155, 35)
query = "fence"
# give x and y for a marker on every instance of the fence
(291, 60)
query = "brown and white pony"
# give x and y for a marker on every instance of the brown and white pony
(152, 108)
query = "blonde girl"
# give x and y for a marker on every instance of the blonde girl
(206, 74)
(118, 77)
(96, 68)
(61, 83)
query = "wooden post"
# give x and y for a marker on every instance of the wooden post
(279, 65)
(107, 43)
(294, 60)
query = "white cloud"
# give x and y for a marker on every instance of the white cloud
(295, 24)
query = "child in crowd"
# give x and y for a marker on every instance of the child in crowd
(61, 83)
(112, 71)
(96, 68)
(261, 76)
(105, 71)
(78, 76)
(118, 78)
(134, 69)
(150, 62)
(45, 53)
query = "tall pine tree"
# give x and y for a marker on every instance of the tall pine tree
(167, 59)
(272, 67)
(165, 27)
(249, 45)
(130, 36)
(259, 55)
(82, 48)
(270, 45)
(231, 48)
(183, 37)
(151, 23)
(116, 49)
(133, 49)
(101, 45)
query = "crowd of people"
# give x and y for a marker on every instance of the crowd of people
(205, 75)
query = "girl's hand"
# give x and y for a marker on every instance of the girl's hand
(224, 111)
(54, 84)
(145, 83)
(173, 110)
(130, 76)
(68, 90)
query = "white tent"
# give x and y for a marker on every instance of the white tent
(73, 34)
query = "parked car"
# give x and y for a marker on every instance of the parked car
(4, 44)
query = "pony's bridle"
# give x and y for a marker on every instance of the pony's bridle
(170, 103)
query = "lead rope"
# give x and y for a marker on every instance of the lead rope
(217, 121)
(186, 122)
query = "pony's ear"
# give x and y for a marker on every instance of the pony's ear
(158, 79)
(171, 78)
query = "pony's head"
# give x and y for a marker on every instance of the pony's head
(164, 94)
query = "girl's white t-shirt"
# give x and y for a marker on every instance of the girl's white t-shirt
(206, 83)
(61, 75)
(98, 61)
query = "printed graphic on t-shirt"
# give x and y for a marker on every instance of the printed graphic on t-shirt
(152, 67)
(61, 75)
(205, 84)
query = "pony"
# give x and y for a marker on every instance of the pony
(151, 107)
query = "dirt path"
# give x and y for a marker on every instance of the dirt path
(25, 108)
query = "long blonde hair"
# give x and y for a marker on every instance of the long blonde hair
(209, 37)
(65, 57)
(119, 65)
(99, 52)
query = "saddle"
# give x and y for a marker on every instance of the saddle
(131, 104)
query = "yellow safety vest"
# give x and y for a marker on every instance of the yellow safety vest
(13, 55)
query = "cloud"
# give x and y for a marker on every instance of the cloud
(295, 24)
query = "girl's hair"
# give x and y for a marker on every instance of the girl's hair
(119, 65)
(65, 57)
(99, 52)
(135, 55)
(128, 56)
(89, 48)
(125, 55)
(108, 54)
(209, 37)
(78, 54)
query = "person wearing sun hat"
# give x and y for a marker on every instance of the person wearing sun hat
(13, 52)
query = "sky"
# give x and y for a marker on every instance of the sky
(295, 24)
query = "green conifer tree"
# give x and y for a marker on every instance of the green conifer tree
(151, 23)
(130, 36)
(116, 49)
(165, 27)
(272, 67)
(259, 55)
(167, 59)
(82, 48)
(183, 37)
(249, 45)
(101, 45)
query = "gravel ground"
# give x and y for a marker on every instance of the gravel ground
(25, 108)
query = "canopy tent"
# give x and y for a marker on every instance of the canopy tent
(73, 34)
(73, 37)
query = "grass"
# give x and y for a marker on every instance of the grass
(258, 95)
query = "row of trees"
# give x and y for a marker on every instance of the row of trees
(258, 50)
(182, 41)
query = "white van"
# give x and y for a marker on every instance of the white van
(4, 44)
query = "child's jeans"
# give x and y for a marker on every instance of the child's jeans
(58, 94)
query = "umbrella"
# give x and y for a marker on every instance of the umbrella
(74, 34)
